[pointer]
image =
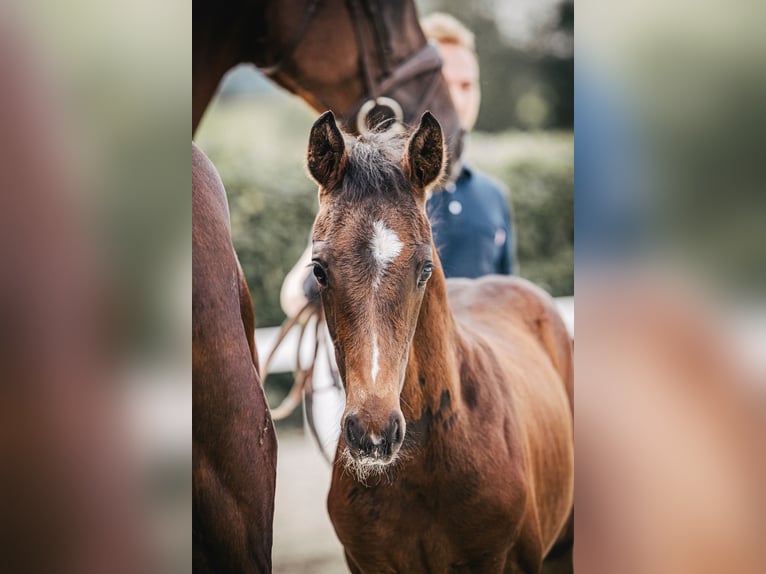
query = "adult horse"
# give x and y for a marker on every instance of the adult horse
(234, 446)
(457, 450)
(367, 60)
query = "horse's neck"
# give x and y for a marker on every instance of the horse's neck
(205, 84)
(341, 86)
(433, 371)
(223, 33)
(238, 32)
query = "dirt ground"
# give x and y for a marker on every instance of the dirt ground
(304, 540)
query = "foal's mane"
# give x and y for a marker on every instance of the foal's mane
(373, 164)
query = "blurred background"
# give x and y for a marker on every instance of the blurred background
(256, 135)
(670, 238)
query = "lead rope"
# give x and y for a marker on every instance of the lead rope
(303, 377)
(308, 393)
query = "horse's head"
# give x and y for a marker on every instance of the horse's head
(372, 258)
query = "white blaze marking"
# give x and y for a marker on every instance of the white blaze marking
(385, 246)
(375, 357)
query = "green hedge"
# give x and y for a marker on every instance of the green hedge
(259, 145)
(538, 169)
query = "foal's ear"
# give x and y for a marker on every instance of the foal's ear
(424, 160)
(327, 152)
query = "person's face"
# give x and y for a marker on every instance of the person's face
(461, 70)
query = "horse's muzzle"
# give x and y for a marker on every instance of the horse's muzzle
(381, 445)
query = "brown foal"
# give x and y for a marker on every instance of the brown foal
(457, 450)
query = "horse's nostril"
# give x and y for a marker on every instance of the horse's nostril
(353, 432)
(395, 431)
(349, 435)
(371, 443)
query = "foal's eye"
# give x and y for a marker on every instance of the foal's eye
(425, 274)
(320, 274)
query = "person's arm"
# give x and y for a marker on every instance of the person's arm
(293, 296)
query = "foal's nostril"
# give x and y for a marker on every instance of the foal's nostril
(353, 432)
(396, 431)
(381, 444)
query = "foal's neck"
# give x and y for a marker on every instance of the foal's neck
(432, 381)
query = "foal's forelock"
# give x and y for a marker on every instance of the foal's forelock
(372, 167)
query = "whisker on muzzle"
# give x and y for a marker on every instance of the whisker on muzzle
(366, 467)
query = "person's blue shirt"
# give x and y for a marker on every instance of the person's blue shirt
(471, 226)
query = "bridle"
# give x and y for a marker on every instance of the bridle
(377, 95)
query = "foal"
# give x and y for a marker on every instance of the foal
(457, 451)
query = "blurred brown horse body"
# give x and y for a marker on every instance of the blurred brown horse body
(335, 54)
(234, 445)
(457, 449)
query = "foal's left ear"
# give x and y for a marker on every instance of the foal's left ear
(327, 152)
(425, 153)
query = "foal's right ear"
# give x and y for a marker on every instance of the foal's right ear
(327, 152)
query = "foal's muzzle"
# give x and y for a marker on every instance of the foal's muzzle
(364, 442)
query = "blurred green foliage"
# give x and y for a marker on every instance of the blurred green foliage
(526, 56)
(258, 145)
(538, 170)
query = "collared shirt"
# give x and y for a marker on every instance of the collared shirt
(472, 227)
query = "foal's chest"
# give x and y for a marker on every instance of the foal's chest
(404, 527)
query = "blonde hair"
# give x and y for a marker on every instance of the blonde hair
(447, 29)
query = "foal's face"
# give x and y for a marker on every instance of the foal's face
(372, 258)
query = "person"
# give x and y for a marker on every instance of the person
(470, 218)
